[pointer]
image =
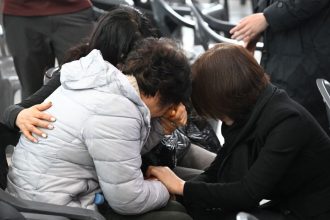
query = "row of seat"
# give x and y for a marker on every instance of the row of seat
(210, 23)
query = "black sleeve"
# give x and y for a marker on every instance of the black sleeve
(10, 114)
(286, 14)
(281, 147)
(210, 174)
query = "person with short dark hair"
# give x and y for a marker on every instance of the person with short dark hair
(103, 125)
(274, 149)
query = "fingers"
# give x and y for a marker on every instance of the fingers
(44, 116)
(34, 130)
(178, 115)
(168, 126)
(150, 171)
(249, 27)
(30, 120)
(28, 135)
(41, 115)
(42, 123)
(43, 106)
(243, 31)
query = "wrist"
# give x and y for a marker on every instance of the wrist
(180, 188)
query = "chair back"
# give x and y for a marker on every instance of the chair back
(204, 35)
(245, 216)
(324, 88)
(162, 10)
(208, 29)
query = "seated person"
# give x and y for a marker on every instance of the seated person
(103, 124)
(120, 28)
(274, 149)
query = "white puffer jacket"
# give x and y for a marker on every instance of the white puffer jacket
(101, 130)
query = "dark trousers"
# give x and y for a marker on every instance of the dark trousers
(259, 214)
(173, 211)
(35, 42)
(7, 137)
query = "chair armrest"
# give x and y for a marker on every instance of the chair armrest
(49, 209)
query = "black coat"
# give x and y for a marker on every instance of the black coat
(279, 153)
(297, 49)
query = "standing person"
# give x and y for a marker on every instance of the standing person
(296, 47)
(274, 149)
(38, 31)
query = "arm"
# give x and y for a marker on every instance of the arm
(279, 16)
(286, 14)
(114, 143)
(280, 149)
(11, 113)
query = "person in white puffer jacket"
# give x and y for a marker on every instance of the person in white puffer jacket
(103, 124)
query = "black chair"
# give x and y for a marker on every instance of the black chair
(221, 23)
(245, 216)
(205, 35)
(38, 210)
(163, 13)
(324, 88)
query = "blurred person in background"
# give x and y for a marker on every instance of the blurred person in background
(296, 47)
(38, 31)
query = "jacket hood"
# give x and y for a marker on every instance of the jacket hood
(86, 73)
(93, 72)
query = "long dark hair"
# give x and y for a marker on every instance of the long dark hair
(115, 35)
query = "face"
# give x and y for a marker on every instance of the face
(154, 105)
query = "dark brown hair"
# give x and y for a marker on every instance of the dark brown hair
(159, 65)
(115, 35)
(226, 81)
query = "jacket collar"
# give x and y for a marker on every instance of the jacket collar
(240, 130)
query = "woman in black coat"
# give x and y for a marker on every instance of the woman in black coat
(274, 149)
(296, 47)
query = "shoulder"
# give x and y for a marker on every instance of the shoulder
(281, 110)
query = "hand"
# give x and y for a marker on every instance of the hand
(252, 44)
(29, 119)
(173, 118)
(178, 115)
(173, 183)
(168, 126)
(249, 27)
